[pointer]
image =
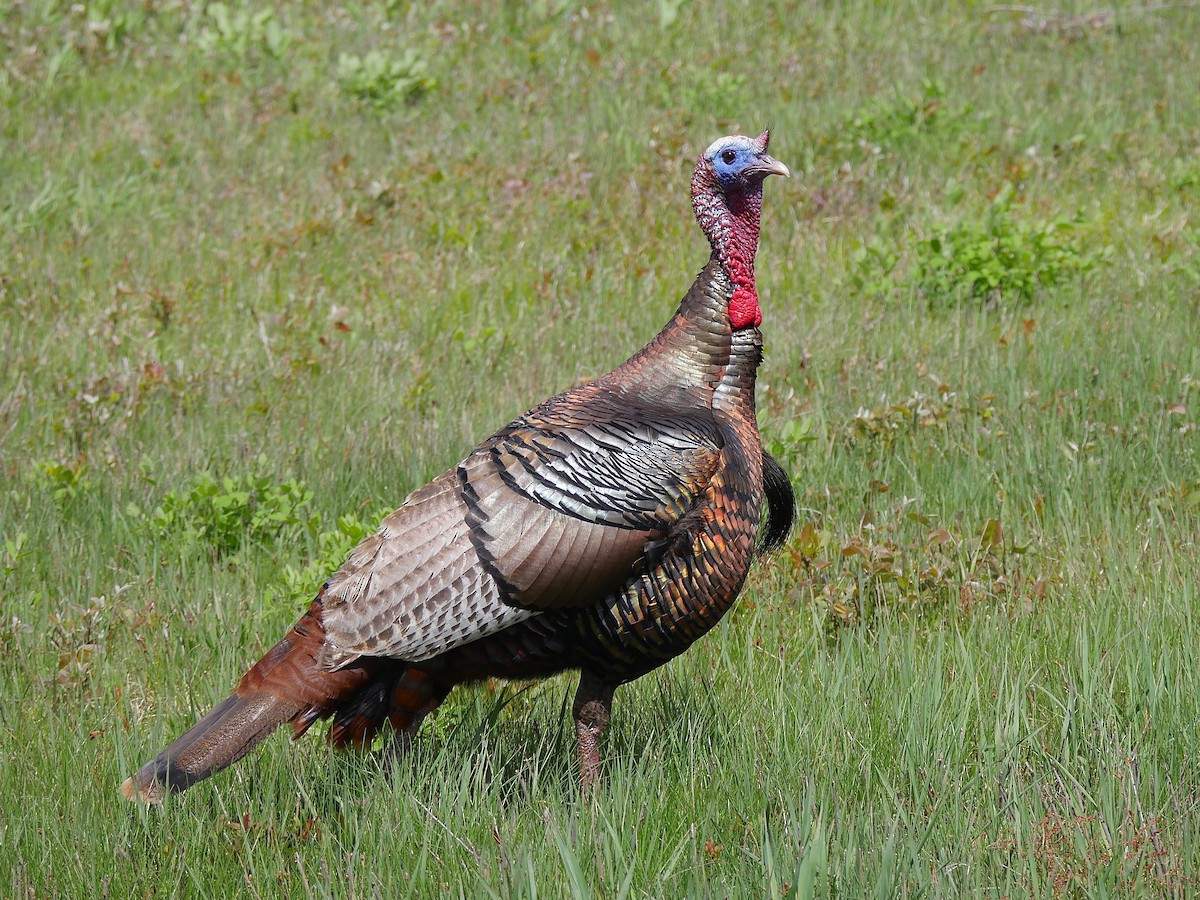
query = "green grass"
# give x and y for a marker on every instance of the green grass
(973, 672)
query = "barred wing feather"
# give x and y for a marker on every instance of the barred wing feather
(540, 517)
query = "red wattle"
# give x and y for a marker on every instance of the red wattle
(730, 220)
(744, 310)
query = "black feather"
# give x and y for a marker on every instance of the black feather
(781, 505)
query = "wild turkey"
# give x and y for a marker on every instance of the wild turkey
(604, 530)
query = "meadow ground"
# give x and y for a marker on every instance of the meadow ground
(263, 270)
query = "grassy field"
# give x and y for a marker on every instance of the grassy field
(263, 273)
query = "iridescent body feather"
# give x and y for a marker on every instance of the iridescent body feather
(605, 530)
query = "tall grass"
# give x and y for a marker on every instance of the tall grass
(972, 671)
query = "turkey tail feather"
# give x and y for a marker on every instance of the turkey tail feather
(781, 505)
(290, 683)
(233, 728)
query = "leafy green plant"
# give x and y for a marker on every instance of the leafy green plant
(228, 512)
(239, 31)
(110, 22)
(787, 440)
(668, 12)
(385, 82)
(301, 583)
(14, 549)
(998, 257)
(1183, 176)
(875, 264)
(885, 123)
(65, 481)
(902, 559)
(1003, 256)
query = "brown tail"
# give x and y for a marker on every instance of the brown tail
(231, 730)
(288, 684)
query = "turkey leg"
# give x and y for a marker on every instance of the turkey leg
(413, 698)
(592, 709)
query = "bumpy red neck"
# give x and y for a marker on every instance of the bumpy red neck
(731, 222)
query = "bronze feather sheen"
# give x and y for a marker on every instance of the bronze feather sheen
(605, 530)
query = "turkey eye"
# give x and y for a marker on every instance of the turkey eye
(728, 157)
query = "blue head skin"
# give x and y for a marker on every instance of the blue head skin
(741, 163)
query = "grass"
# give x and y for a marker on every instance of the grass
(971, 673)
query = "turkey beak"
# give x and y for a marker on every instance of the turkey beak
(770, 166)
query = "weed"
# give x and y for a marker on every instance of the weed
(226, 513)
(875, 266)
(900, 559)
(1001, 257)
(385, 82)
(1183, 175)
(333, 547)
(65, 481)
(668, 12)
(111, 22)
(79, 201)
(14, 549)
(885, 422)
(787, 440)
(889, 123)
(239, 31)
